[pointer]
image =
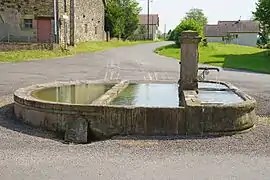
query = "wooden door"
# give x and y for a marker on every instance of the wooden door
(44, 30)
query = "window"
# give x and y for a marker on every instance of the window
(85, 28)
(65, 5)
(96, 30)
(28, 23)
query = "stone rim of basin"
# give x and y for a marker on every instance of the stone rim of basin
(117, 88)
(27, 109)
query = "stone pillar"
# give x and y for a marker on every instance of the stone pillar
(189, 60)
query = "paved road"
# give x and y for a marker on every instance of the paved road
(136, 62)
(26, 154)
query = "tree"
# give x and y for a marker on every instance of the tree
(168, 34)
(262, 14)
(185, 25)
(122, 17)
(141, 32)
(198, 16)
(171, 35)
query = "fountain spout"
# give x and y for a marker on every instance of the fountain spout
(208, 68)
(205, 72)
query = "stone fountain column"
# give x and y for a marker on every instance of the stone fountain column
(189, 60)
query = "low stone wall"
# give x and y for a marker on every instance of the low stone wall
(27, 46)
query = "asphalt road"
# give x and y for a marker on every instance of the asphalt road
(27, 153)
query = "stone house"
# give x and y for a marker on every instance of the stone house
(242, 32)
(153, 26)
(34, 20)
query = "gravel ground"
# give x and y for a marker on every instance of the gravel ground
(30, 153)
(27, 153)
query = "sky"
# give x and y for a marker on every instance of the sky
(172, 11)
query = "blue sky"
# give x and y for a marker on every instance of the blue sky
(171, 11)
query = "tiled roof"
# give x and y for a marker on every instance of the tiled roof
(224, 27)
(153, 19)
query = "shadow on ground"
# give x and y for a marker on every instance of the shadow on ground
(8, 120)
(257, 62)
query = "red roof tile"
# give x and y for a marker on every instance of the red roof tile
(224, 27)
(153, 19)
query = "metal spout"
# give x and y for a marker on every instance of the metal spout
(208, 68)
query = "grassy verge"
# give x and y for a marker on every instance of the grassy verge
(19, 56)
(227, 56)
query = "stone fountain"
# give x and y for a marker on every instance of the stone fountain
(94, 110)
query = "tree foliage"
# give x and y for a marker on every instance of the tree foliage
(262, 14)
(198, 16)
(171, 35)
(122, 17)
(195, 20)
(185, 25)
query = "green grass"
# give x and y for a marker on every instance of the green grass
(227, 56)
(26, 55)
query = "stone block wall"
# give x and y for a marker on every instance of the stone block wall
(85, 23)
(89, 20)
(43, 8)
(12, 13)
(64, 9)
(27, 46)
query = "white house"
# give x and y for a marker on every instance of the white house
(244, 32)
(153, 26)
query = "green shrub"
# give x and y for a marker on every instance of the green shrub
(266, 46)
(204, 42)
(186, 25)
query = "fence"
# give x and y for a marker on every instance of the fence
(141, 37)
(18, 40)
(28, 36)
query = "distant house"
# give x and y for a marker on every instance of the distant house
(33, 20)
(142, 31)
(242, 32)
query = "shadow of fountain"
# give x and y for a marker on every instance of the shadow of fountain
(252, 63)
(9, 121)
(167, 138)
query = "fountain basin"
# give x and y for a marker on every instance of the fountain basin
(219, 117)
(102, 115)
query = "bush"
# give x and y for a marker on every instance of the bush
(171, 36)
(204, 42)
(185, 25)
(266, 46)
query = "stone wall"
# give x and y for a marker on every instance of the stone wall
(89, 20)
(12, 13)
(85, 23)
(64, 25)
(27, 46)
(41, 8)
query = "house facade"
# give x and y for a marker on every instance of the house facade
(143, 24)
(33, 20)
(242, 32)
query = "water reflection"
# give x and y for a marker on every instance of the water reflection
(73, 94)
(149, 95)
(166, 95)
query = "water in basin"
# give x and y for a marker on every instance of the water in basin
(72, 94)
(219, 97)
(166, 95)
